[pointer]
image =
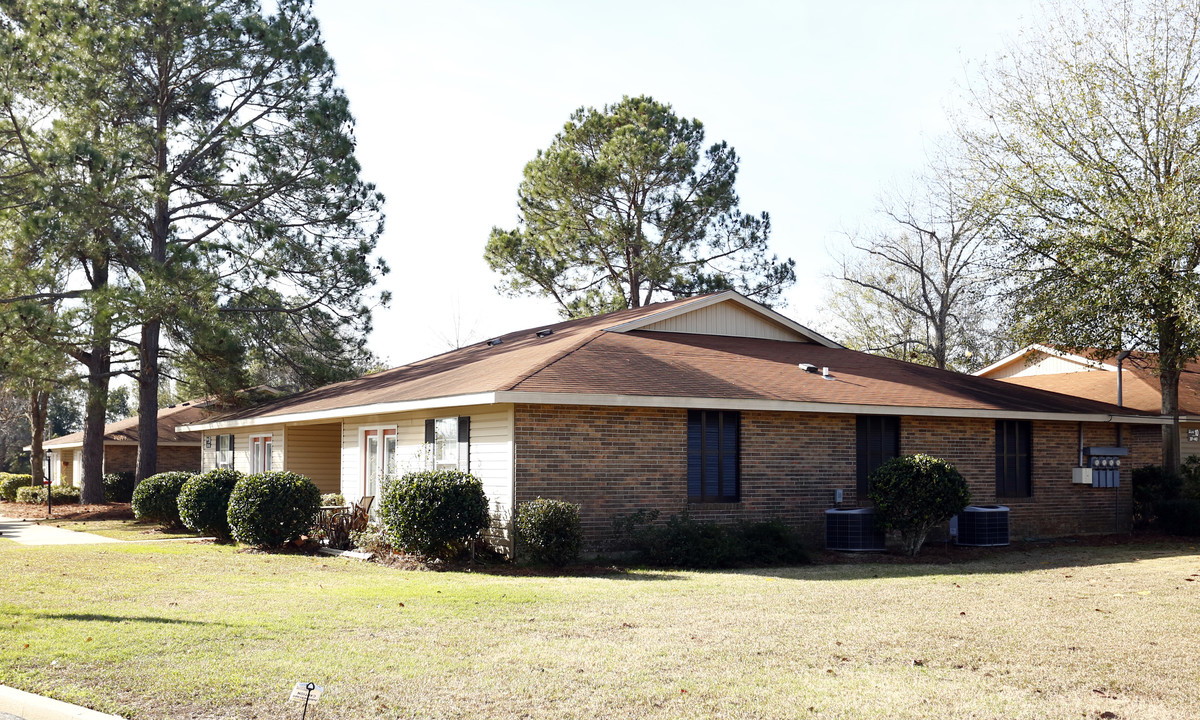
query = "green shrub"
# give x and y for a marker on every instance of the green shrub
(1180, 516)
(371, 539)
(332, 500)
(204, 501)
(11, 482)
(549, 530)
(682, 541)
(59, 495)
(157, 498)
(434, 512)
(273, 508)
(118, 486)
(914, 493)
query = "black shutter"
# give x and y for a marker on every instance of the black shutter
(464, 444)
(429, 431)
(878, 440)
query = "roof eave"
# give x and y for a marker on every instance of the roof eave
(616, 400)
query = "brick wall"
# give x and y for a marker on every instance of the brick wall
(123, 458)
(120, 458)
(614, 461)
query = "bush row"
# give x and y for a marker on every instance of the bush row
(59, 495)
(118, 486)
(1168, 502)
(268, 509)
(11, 482)
(682, 541)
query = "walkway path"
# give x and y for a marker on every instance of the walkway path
(27, 532)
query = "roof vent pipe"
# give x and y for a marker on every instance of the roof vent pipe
(1120, 388)
(825, 373)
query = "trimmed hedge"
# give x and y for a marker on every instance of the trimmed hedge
(157, 498)
(11, 482)
(204, 502)
(118, 486)
(59, 495)
(684, 542)
(273, 508)
(914, 493)
(549, 530)
(434, 512)
(1180, 516)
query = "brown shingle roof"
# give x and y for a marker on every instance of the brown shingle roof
(581, 357)
(1141, 389)
(126, 431)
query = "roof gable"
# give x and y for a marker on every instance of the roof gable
(1041, 359)
(728, 314)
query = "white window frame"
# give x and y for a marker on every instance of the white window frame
(219, 462)
(384, 466)
(261, 448)
(435, 451)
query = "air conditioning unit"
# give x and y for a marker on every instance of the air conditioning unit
(983, 526)
(853, 530)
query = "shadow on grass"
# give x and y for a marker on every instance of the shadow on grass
(93, 617)
(1026, 556)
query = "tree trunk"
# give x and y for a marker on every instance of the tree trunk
(39, 403)
(1170, 366)
(147, 456)
(98, 361)
(91, 480)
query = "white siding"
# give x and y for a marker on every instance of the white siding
(725, 318)
(241, 448)
(1040, 364)
(491, 451)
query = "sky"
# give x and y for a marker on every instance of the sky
(827, 104)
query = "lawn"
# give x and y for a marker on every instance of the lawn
(188, 630)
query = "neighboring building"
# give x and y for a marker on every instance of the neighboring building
(176, 450)
(714, 405)
(1135, 384)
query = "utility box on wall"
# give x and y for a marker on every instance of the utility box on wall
(1102, 467)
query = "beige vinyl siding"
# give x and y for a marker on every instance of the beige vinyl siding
(1041, 364)
(314, 451)
(726, 318)
(241, 448)
(491, 450)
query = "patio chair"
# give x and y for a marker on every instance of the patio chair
(360, 513)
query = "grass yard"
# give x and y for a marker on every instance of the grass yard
(184, 630)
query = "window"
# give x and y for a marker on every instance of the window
(225, 452)
(1013, 475)
(714, 450)
(260, 453)
(448, 441)
(878, 442)
(379, 458)
(1193, 435)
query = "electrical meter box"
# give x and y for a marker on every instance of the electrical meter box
(1104, 466)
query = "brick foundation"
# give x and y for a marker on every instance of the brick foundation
(615, 461)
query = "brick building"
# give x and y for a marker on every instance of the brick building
(176, 450)
(715, 405)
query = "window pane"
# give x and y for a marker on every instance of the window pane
(372, 463)
(445, 440)
(267, 445)
(389, 455)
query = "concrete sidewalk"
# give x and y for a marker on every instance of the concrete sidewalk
(27, 532)
(27, 706)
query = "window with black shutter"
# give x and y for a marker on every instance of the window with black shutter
(713, 455)
(1014, 477)
(878, 442)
